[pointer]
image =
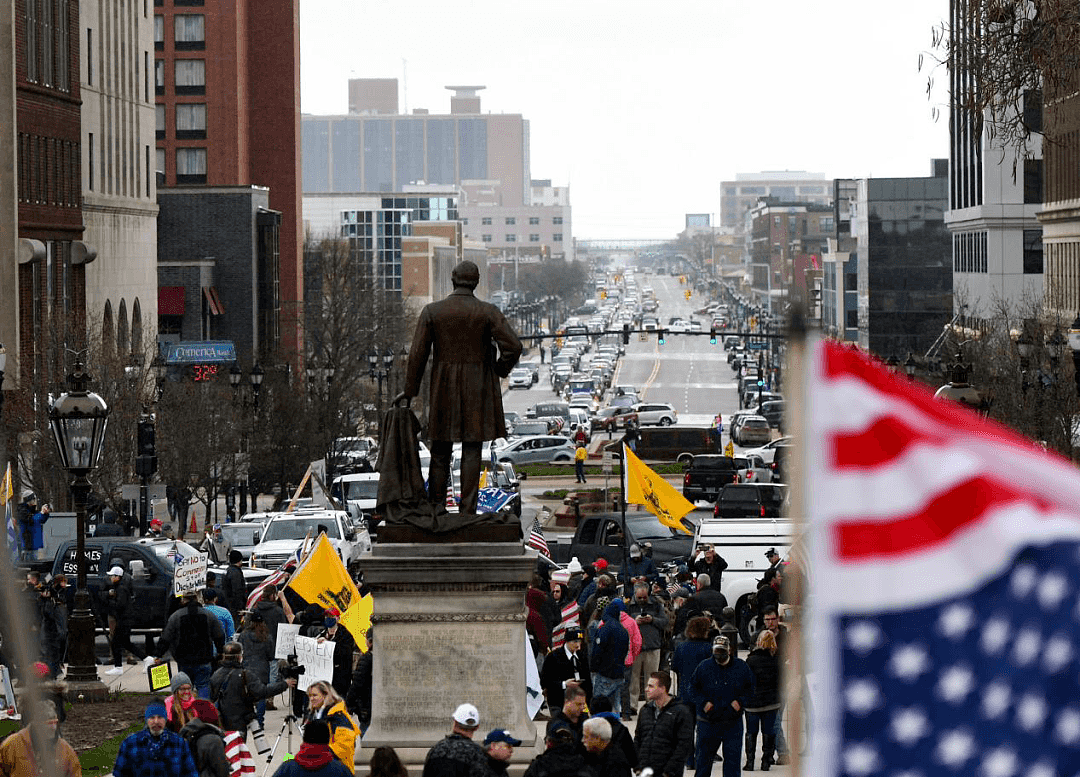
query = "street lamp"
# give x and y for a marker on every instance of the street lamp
(959, 390)
(910, 365)
(256, 381)
(3, 366)
(160, 370)
(78, 418)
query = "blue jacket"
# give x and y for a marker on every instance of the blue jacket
(611, 644)
(722, 685)
(37, 533)
(685, 660)
(643, 567)
(143, 755)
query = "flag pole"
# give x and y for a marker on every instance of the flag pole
(627, 591)
(795, 372)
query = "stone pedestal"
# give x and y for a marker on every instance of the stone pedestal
(449, 628)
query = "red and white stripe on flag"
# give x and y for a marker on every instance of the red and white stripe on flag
(911, 501)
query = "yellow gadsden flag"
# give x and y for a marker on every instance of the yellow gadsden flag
(322, 579)
(645, 487)
(6, 489)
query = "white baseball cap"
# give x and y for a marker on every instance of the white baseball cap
(467, 715)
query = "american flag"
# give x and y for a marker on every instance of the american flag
(570, 618)
(945, 564)
(536, 539)
(280, 576)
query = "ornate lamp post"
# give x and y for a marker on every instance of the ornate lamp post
(910, 365)
(256, 376)
(78, 418)
(959, 390)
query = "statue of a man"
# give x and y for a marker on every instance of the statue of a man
(472, 347)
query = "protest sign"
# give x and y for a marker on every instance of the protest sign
(285, 645)
(159, 676)
(317, 658)
(189, 574)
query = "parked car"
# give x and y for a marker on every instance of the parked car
(533, 427)
(351, 454)
(520, 377)
(751, 500)
(532, 367)
(358, 494)
(242, 536)
(537, 449)
(707, 474)
(768, 450)
(656, 414)
(285, 531)
(755, 470)
(773, 412)
(751, 429)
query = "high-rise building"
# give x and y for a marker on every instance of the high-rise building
(997, 241)
(227, 80)
(369, 150)
(119, 187)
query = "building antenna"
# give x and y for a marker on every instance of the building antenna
(404, 85)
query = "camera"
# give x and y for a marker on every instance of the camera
(292, 669)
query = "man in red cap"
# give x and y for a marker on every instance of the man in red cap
(155, 529)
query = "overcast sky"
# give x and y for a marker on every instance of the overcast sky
(644, 107)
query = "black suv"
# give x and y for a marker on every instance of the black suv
(707, 474)
(751, 500)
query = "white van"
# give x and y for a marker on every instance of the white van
(742, 544)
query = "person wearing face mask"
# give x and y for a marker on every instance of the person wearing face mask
(217, 546)
(332, 630)
(28, 752)
(722, 685)
(155, 751)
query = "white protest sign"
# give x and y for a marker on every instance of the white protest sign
(285, 645)
(317, 658)
(190, 573)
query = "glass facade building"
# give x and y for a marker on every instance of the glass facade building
(904, 263)
(375, 236)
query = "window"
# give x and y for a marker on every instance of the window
(189, 32)
(62, 58)
(1033, 251)
(146, 76)
(485, 221)
(190, 165)
(190, 121)
(159, 164)
(159, 32)
(510, 221)
(534, 221)
(159, 116)
(47, 43)
(511, 238)
(486, 238)
(1033, 181)
(534, 238)
(148, 171)
(159, 76)
(557, 220)
(190, 76)
(32, 40)
(852, 319)
(90, 162)
(557, 237)
(90, 56)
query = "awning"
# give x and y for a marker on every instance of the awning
(213, 301)
(170, 301)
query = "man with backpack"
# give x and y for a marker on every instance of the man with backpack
(235, 690)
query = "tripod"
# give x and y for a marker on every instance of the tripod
(286, 728)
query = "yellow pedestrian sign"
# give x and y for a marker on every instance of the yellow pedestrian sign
(729, 449)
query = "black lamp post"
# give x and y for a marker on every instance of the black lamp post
(256, 377)
(3, 366)
(160, 370)
(959, 390)
(379, 368)
(910, 365)
(78, 418)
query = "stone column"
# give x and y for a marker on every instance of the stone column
(448, 628)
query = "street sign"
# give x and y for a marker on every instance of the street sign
(757, 346)
(609, 459)
(643, 336)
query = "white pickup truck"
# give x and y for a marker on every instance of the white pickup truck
(285, 532)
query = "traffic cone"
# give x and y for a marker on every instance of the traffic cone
(194, 529)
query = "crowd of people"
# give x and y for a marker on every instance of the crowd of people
(614, 648)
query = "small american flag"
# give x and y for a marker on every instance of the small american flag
(279, 576)
(570, 618)
(945, 563)
(536, 539)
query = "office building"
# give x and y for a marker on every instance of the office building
(119, 187)
(227, 80)
(368, 150)
(738, 197)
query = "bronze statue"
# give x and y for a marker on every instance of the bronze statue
(472, 347)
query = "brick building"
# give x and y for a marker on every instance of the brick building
(227, 80)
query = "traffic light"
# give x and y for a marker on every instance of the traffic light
(145, 452)
(660, 336)
(626, 334)
(687, 293)
(712, 336)
(603, 295)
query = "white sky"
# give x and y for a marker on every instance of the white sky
(644, 107)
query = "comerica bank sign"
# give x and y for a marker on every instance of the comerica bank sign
(206, 352)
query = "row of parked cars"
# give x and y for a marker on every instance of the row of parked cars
(746, 486)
